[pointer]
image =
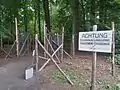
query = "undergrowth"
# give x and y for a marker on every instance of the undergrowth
(77, 78)
(112, 87)
(117, 59)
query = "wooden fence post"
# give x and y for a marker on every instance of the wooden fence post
(73, 44)
(62, 43)
(36, 51)
(17, 39)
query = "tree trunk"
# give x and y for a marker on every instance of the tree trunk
(93, 18)
(25, 17)
(75, 5)
(35, 31)
(101, 11)
(39, 26)
(47, 14)
(83, 14)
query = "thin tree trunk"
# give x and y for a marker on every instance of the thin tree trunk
(47, 14)
(101, 11)
(74, 23)
(25, 17)
(93, 5)
(35, 31)
(83, 14)
(39, 25)
(105, 12)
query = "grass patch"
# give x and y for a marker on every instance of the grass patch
(77, 78)
(117, 59)
(112, 87)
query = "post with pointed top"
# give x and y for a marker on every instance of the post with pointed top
(113, 49)
(93, 78)
(17, 38)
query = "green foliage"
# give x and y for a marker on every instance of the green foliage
(5, 33)
(61, 14)
(117, 86)
(117, 59)
(112, 87)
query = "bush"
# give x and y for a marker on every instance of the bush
(117, 59)
(112, 87)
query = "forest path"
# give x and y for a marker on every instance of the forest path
(12, 75)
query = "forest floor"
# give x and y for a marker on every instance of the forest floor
(78, 69)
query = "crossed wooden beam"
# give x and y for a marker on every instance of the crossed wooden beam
(50, 57)
(8, 54)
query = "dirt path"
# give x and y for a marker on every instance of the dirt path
(12, 75)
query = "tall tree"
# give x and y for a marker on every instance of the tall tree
(75, 5)
(39, 26)
(25, 16)
(93, 11)
(47, 14)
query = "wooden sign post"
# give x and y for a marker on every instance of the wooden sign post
(96, 41)
(93, 78)
(113, 49)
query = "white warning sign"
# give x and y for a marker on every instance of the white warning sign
(96, 41)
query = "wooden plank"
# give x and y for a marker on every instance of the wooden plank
(56, 63)
(63, 50)
(113, 50)
(5, 52)
(52, 49)
(10, 50)
(49, 58)
(44, 65)
(43, 58)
